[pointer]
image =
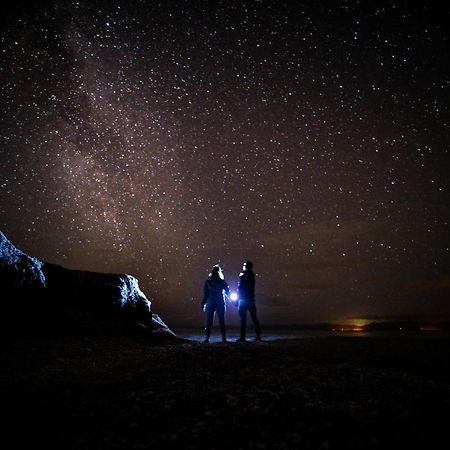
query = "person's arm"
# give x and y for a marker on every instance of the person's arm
(226, 288)
(205, 294)
(239, 285)
(253, 285)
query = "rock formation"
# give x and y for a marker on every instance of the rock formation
(42, 298)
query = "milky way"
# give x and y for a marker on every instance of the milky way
(159, 138)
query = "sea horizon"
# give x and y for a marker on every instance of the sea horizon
(280, 333)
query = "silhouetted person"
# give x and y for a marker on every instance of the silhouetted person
(213, 301)
(246, 293)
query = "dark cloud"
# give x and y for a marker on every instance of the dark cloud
(274, 302)
(311, 287)
(398, 318)
(431, 285)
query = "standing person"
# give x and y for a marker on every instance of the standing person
(213, 301)
(246, 293)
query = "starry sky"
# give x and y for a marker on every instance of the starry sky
(160, 138)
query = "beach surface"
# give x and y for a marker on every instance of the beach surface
(306, 392)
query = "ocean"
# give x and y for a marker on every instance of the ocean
(273, 334)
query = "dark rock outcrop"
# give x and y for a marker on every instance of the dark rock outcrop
(17, 269)
(42, 298)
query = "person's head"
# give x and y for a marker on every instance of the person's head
(248, 265)
(216, 271)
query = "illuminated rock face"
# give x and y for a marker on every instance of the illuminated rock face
(46, 298)
(19, 269)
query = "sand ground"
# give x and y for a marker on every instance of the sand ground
(311, 393)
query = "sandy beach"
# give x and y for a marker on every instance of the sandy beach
(324, 393)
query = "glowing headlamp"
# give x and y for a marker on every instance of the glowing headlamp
(233, 296)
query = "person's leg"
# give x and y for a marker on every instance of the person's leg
(252, 310)
(221, 317)
(243, 316)
(209, 310)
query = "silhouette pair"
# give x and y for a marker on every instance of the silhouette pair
(216, 290)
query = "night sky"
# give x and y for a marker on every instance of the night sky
(160, 138)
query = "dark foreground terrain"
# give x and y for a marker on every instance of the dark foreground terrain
(325, 393)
